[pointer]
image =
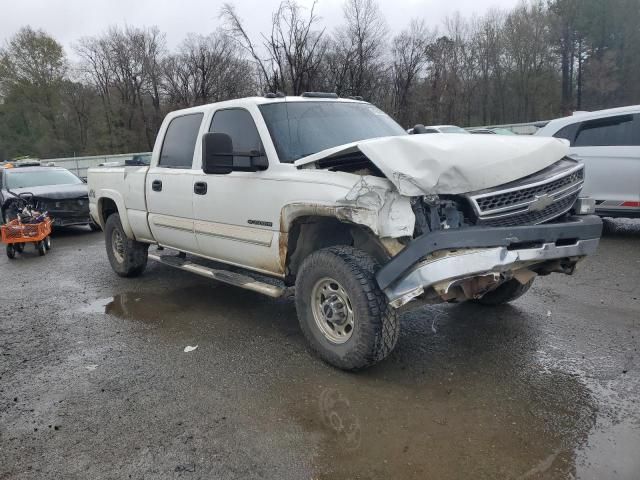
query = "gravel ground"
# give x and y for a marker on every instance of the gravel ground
(95, 382)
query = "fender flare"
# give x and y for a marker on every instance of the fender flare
(117, 198)
(344, 213)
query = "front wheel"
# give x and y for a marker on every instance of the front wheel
(343, 314)
(505, 293)
(128, 258)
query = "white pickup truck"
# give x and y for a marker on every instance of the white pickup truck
(333, 197)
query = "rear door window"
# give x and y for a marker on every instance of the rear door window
(180, 141)
(621, 130)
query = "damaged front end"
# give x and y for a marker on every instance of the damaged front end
(62, 210)
(468, 245)
(456, 227)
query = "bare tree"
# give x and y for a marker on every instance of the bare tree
(206, 69)
(126, 63)
(409, 56)
(293, 52)
(361, 44)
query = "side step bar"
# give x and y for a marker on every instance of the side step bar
(224, 276)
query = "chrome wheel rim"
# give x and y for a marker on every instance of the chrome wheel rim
(117, 246)
(332, 310)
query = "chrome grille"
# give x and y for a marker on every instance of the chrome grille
(532, 200)
(531, 218)
(516, 197)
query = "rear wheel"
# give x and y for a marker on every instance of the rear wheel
(11, 251)
(47, 243)
(128, 258)
(505, 293)
(41, 248)
(343, 314)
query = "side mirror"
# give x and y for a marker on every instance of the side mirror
(217, 153)
(218, 156)
(418, 129)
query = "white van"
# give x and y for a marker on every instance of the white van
(608, 143)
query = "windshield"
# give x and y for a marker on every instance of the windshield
(452, 129)
(299, 129)
(38, 178)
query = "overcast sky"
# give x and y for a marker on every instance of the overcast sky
(68, 20)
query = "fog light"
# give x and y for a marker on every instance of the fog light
(584, 206)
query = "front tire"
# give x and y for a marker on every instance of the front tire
(128, 258)
(343, 314)
(505, 293)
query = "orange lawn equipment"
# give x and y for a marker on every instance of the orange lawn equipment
(15, 234)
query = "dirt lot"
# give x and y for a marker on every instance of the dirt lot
(95, 383)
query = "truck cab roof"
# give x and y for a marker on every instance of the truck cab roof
(247, 102)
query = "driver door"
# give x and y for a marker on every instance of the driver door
(234, 221)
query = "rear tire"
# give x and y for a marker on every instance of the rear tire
(47, 243)
(41, 248)
(11, 251)
(505, 293)
(343, 314)
(128, 258)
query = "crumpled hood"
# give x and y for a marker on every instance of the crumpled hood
(452, 163)
(55, 192)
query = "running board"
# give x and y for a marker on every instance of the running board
(224, 276)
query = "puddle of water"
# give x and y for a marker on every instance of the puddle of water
(195, 308)
(449, 428)
(136, 306)
(468, 401)
(611, 452)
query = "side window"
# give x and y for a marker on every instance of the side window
(568, 132)
(180, 141)
(612, 131)
(239, 125)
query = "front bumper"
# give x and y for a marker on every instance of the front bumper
(481, 250)
(61, 220)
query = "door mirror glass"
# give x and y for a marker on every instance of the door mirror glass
(218, 156)
(217, 153)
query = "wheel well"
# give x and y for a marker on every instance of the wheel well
(107, 207)
(311, 233)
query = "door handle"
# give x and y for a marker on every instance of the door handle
(156, 185)
(200, 188)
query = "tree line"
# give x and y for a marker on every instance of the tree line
(539, 60)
